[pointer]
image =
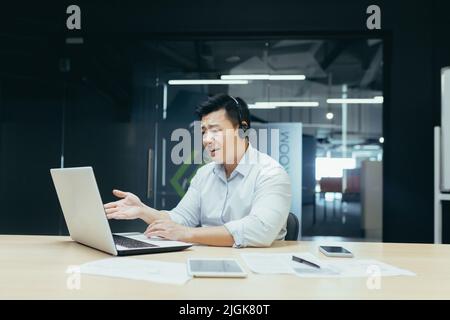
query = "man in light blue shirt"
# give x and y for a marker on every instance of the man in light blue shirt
(242, 198)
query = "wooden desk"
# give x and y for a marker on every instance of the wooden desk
(34, 267)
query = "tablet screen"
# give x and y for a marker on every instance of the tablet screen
(214, 266)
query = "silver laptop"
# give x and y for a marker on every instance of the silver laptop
(86, 220)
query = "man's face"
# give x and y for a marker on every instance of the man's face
(219, 137)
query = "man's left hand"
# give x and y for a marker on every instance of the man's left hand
(170, 230)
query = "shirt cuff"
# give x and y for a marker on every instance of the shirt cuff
(236, 228)
(177, 218)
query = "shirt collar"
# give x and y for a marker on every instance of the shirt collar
(246, 162)
(248, 159)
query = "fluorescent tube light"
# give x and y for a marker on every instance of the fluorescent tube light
(263, 77)
(272, 105)
(253, 106)
(245, 77)
(205, 81)
(374, 100)
(287, 77)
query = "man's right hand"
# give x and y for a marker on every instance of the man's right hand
(128, 208)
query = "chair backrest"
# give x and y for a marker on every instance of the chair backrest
(330, 184)
(292, 227)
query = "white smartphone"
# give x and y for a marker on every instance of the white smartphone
(206, 267)
(335, 251)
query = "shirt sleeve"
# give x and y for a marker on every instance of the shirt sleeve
(270, 209)
(187, 212)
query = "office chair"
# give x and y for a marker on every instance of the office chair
(292, 227)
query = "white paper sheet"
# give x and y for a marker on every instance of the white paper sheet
(266, 263)
(364, 268)
(282, 263)
(138, 269)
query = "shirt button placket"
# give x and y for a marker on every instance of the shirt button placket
(224, 203)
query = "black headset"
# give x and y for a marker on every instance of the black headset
(242, 126)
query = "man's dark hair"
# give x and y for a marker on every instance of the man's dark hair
(236, 108)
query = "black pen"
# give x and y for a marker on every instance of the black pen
(295, 258)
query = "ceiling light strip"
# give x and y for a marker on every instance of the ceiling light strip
(205, 81)
(263, 77)
(374, 100)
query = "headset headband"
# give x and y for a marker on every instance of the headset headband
(235, 100)
(238, 107)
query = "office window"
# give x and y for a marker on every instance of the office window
(332, 86)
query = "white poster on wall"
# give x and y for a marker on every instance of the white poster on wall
(283, 142)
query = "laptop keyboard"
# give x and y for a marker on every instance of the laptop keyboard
(130, 243)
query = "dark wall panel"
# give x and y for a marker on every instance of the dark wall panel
(99, 133)
(30, 144)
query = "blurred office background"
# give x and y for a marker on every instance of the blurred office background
(103, 97)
